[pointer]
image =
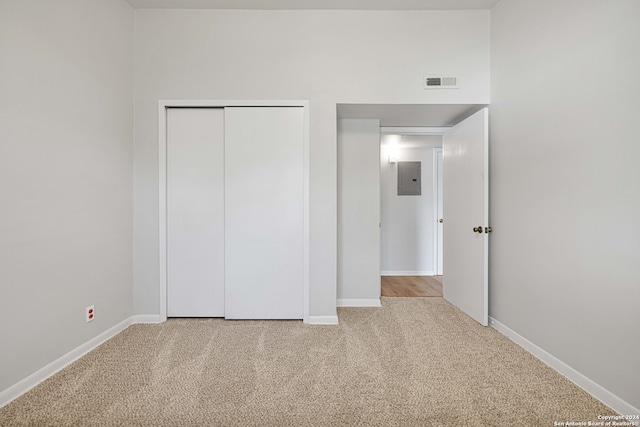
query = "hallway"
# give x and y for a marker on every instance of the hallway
(411, 286)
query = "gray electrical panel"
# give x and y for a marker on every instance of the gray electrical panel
(409, 179)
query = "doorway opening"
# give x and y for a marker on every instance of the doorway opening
(409, 212)
(362, 227)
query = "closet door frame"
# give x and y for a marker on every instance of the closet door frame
(163, 105)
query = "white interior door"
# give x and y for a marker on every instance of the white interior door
(195, 212)
(264, 213)
(439, 214)
(466, 210)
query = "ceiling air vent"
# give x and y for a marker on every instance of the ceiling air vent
(439, 82)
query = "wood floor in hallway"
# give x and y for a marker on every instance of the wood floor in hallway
(411, 286)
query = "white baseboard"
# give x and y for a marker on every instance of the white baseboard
(323, 320)
(591, 387)
(407, 273)
(359, 302)
(147, 318)
(42, 374)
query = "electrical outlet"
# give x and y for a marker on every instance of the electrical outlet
(90, 313)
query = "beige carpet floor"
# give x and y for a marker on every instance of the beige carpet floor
(413, 362)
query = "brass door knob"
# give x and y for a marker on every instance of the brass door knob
(441, 220)
(477, 229)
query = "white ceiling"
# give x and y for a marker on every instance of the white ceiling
(316, 4)
(409, 115)
(411, 141)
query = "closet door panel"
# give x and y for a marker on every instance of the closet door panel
(264, 213)
(195, 212)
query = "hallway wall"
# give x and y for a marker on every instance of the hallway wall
(358, 212)
(407, 232)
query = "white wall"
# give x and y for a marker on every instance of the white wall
(66, 153)
(407, 234)
(326, 57)
(565, 203)
(358, 212)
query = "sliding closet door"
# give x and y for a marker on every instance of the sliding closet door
(195, 212)
(264, 213)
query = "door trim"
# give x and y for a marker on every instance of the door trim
(163, 104)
